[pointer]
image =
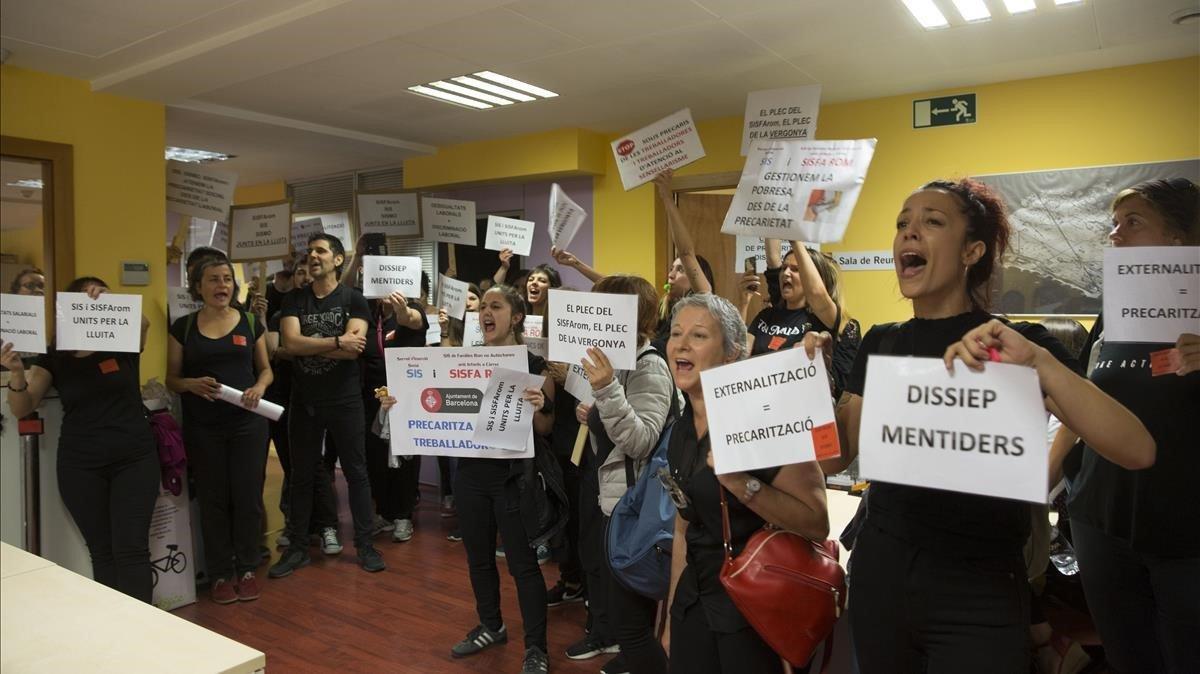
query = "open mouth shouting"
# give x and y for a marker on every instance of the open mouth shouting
(489, 325)
(910, 264)
(535, 294)
(684, 365)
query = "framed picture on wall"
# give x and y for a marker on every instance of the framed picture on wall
(1060, 223)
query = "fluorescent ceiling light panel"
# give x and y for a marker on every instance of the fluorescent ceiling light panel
(450, 98)
(1020, 6)
(27, 183)
(470, 93)
(972, 10)
(194, 156)
(517, 84)
(495, 89)
(926, 13)
(1060, 3)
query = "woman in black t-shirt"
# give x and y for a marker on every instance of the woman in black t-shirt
(807, 284)
(938, 577)
(710, 632)
(108, 472)
(1136, 531)
(215, 347)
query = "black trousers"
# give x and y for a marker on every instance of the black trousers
(396, 490)
(632, 618)
(483, 495)
(112, 504)
(914, 610)
(1147, 608)
(306, 426)
(447, 467)
(229, 461)
(592, 557)
(696, 649)
(570, 568)
(324, 511)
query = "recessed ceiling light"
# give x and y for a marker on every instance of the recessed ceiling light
(195, 156)
(482, 90)
(470, 93)
(450, 98)
(495, 89)
(516, 84)
(1020, 6)
(27, 183)
(926, 13)
(972, 10)
(1060, 3)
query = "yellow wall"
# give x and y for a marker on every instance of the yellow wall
(26, 244)
(260, 193)
(549, 154)
(120, 189)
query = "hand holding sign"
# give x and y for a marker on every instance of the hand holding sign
(993, 341)
(599, 369)
(1188, 349)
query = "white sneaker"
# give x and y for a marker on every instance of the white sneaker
(282, 540)
(330, 544)
(403, 531)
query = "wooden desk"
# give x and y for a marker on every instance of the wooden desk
(15, 561)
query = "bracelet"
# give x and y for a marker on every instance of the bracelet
(18, 390)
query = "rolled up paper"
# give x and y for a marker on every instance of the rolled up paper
(265, 408)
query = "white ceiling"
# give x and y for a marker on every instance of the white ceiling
(305, 88)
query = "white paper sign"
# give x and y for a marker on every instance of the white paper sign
(505, 418)
(865, 260)
(23, 322)
(108, 323)
(390, 214)
(538, 346)
(974, 432)
(578, 385)
(448, 220)
(669, 143)
(199, 191)
(781, 114)
(586, 320)
(452, 296)
(260, 232)
(533, 326)
(799, 190)
(302, 228)
(433, 335)
(265, 407)
(768, 411)
(386, 274)
(472, 330)
(220, 237)
(335, 223)
(1151, 293)
(748, 246)
(180, 303)
(565, 218)
(439, 393)
(509, 233)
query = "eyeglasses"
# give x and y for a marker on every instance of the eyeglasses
(679, 498)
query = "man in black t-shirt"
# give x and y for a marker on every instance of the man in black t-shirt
(324, 327)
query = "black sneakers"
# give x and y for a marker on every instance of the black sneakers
(293, 558)
(615, 666)
(536, 661)
(370, 559)
(563, 593)
(590, 647)
(478, 639)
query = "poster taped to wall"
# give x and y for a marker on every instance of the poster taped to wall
(200, 191)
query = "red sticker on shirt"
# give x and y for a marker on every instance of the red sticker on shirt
(239, 340)
(825, 441)
(109, 366)
(1167, 361)
(777, 343)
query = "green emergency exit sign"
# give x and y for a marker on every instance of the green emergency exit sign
(944, 111)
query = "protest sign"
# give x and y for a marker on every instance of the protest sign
(439, 393)
(220, 237)
(23, 322)
(534, 326)
(433, 335)
(974, 432)
(509, 233)
(199, 191)
(302, 228)
(566, 217)
(389, 213)
(585, 320)
(108, 323)
(669, 143)
(472, 330)
(801, 190)
(538, 346)
(335, 223)
(753, 246)
(386, 274)
(180, 303)
(452, 296)
(505, 418)
(265, 408)
(578, 385)
(1151, 293)
(781, 114)
(448, 220)
(769, 411)
(260, 231)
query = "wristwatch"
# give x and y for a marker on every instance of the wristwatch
(753, 486)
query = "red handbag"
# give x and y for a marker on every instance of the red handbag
(790, 589)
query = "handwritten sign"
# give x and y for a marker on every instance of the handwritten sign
(799, 190)
(769, 411)
(109, 323)
(449, 220)
(433, 335)
(260, 231)
(386, 274)
(199, 191)
(669, 143)
(452, 296)
(392, 214)
(180, 303)
(505, 418)
(509, 233)
(472, 330)
(600, 320)
(752, 246)
(566, 217)
(974, 432)
(336, 223)
(302, 228)
(23, 322)
(781, 114)
(1151, 293)
(439, 394)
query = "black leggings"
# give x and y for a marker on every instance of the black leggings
(483, 495)
(632, 617)
(396, 490)
(112, 505)
(696, 649)
(591, 552)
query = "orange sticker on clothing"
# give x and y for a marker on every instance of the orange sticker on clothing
(239, 340)
(777, 343)
(825, 441)
(1166, 361)
(109, 366)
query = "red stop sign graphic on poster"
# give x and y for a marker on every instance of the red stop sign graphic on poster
(625, 147)
(431, 400)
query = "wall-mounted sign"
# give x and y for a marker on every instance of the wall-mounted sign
(944, 111)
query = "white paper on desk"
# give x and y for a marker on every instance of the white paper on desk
(265, 408)
(505, 417)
